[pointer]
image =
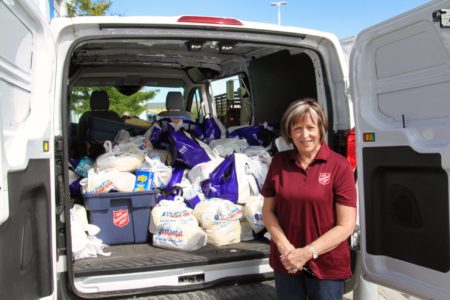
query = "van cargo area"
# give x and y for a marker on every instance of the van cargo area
(262, 71)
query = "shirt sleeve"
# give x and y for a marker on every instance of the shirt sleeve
(344, 184)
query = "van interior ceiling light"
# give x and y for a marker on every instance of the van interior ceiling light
(225, 48)
(194, 46)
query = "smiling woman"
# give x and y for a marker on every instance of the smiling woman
(309, 209)
(306, 129)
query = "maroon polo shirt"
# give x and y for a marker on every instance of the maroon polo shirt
(304, 203)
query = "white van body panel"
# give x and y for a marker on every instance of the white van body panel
(168, 278)
(27, 210)
(400, 76)
(27, 78)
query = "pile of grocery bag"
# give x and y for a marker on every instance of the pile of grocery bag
(208, 179)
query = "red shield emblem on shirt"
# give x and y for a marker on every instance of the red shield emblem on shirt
(324, 178)
(121, 218)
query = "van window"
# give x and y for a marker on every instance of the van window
(232, 101)
(196, 109)
(98, 112)
(158, 105)
(137, 102)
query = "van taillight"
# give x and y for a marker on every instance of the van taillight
(351, 148)
(209, 20)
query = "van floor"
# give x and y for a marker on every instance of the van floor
(145, 257)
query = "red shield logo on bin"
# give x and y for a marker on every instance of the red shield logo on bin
(121, 218)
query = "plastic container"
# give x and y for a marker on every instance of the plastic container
(122, 217)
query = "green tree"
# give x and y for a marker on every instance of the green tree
(135, 104)
(87, 7)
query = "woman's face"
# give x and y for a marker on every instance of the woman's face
(305, 134)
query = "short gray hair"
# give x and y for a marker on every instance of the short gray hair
(300, 108)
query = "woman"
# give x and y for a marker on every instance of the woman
(309, 209)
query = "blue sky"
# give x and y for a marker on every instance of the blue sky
(344, 18)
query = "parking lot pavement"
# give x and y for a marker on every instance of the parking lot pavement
(247, 291)
(260, 291)
(385, 293)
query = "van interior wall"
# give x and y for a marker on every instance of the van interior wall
(277, 80)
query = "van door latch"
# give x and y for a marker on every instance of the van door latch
(442, 16)
(355, 239)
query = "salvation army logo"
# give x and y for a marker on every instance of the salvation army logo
(121, 218)
(324, 178)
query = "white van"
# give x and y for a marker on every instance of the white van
(399, 75)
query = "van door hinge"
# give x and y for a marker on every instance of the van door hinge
(59, 169)
(58, 143)
(442, 16)
(58, 154)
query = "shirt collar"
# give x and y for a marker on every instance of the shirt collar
(323, 154)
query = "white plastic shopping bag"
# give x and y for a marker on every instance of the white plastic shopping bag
(227, 146)
(174, 226)
(123, 181)
(246, 231)
(253, 212)
(179, 236)
(122, 161)
(97, 182)
(216, 211)
(161, 172)
(201, 171)
(224, 234)
(171, 211)
(85, 244)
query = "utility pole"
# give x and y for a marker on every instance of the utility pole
(278, 4)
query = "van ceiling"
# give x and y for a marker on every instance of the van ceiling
(162, 62)
(168, 53)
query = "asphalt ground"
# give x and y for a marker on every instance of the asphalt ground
(256, 291)
(248, 291)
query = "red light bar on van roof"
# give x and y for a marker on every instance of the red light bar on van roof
(209, 20)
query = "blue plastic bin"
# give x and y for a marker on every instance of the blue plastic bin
(122, 217)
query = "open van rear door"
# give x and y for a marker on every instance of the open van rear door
(26, 206)
(400, 77)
